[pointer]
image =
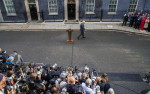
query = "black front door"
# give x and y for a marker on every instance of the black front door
(33, 11)
(71, 11)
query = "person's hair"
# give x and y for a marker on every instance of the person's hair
(9, 73)
(110, 91)
(15, 51)
(98, 79)
(104, 77)
(88, 82)
(33, 76)
(39, 87)
(84, 75)
(54, 90)
(72, 80)
(31, 63)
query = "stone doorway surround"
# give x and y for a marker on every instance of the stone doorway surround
(1, 17)
(66, 10)
(28, 10)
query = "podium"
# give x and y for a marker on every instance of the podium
(69, 36)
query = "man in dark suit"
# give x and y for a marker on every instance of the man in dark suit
(82, 29)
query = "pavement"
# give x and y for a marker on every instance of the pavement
(57, 26)
(123, 56)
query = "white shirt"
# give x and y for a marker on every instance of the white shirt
(87, 89)
(2, 91)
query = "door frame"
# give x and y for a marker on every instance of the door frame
(28, 10)
(76, 10)
(1, 17)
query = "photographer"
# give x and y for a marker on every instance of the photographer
(71, 87)
(17, 58)
(84, 76)
(30, 68)
(61, 82)
(35, 84)
(87, 87)
(10, 84)
(3, 56)
(100, 83)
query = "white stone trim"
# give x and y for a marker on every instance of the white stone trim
(77, 10)
(89, 13)
(37, 8)
(66, 9)
(53, 13)
(112, 13)
(27, 10)
(1, 17)
(11, 14)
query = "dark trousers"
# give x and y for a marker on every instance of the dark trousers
(137, 25)
(124, 23)
(81, 34)
(131, 23)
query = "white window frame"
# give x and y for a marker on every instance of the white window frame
(93, 9)
(56, 13)
(130, 12)
(115, 9)
(10, 14)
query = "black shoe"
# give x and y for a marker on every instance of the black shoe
(83, 37)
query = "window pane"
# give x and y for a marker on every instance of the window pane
(31, 1)
(112, 5)
(90, 5)
(9, 6)
(53, 6)
(133, 5)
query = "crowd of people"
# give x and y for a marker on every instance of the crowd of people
(18, 77)
(138, 20)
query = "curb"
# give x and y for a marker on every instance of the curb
(47, 30)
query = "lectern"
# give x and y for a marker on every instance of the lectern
(69, 35)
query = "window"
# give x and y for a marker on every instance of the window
(133, 5)
(113, 6)
(53, 10)
(31, 1)
(90, 6)
(9, 7)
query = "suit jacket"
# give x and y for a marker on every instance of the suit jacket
(82, 27)
(18, 59)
